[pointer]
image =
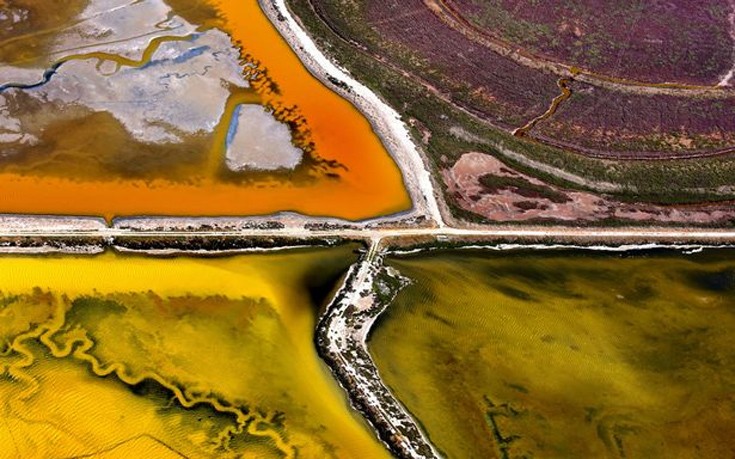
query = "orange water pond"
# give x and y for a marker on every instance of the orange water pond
(347, 174)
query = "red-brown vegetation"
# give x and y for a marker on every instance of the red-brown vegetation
(604, 123)
(683, 41)
(500, 90)
(623, 119)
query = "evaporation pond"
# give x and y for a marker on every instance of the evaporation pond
(133, 356)
(176, 107)
(565, 354)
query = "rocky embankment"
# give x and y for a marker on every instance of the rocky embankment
(341, 341)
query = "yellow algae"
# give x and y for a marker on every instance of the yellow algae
(178, 357)
(565, 355)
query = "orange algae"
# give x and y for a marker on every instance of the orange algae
(366, 182)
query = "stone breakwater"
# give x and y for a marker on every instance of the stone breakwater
(341, 341)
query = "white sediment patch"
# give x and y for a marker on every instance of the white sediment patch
(727, 79)
(219, 252)
(9, 74)
(120, 27)
(384, 119)
(11, 16)
(14, 137)
(258, 141)
(11, 129)
(27, 224)
(685, 248)
(46, 250)
(182, 90)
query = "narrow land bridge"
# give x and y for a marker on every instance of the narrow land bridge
(662, 235)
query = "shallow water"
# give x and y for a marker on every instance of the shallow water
(87, 162)
(566, 354)
(154, 357)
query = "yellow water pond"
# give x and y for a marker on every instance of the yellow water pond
(137, 356)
